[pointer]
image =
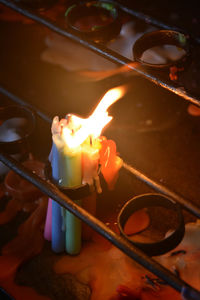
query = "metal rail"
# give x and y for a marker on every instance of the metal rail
(62, 199)
(101, 50)
(137, 255)
(19, 101)
(152, 21)
(120, 242)
(186, 204)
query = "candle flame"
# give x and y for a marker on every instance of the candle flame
(80, 129)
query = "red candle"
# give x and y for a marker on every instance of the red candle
(110, 162)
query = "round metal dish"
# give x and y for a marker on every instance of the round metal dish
(105, 18)
(161, 38)
(150, 200)
(15, 111)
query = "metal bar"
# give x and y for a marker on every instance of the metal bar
(5, 295)
(195, 210)
(101, 50)
(158, 187)
(152, 21)
(18, 100)
(63, 200)
(120, 242)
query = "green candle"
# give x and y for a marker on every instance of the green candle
(70, 175)
(72, 223)
(71, 135)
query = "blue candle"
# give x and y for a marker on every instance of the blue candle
(58, 231)
(73, 137)
(67, 170)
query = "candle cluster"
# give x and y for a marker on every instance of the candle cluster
(77, 152)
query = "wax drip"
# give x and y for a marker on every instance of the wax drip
(29, 240)
(110, 162)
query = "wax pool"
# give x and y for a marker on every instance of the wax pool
(11, 130)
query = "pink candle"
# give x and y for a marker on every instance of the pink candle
(47, 228)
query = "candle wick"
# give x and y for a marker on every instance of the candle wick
(61, 129)
(91, 142)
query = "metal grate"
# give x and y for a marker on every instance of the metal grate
(104, 51)
(62, 199)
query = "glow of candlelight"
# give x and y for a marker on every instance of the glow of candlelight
(94, 124)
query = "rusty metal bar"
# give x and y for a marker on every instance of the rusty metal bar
(120, 242)
(186, 204)
(19, 101)
(152, 21)
(62, 199)
(101, 50)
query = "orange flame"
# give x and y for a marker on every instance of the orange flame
(78, 129)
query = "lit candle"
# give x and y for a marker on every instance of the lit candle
(66, 228)
(57, 230)
(73, 178)
(90, 165)
(76, 161)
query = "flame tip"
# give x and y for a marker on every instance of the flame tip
(95, 123)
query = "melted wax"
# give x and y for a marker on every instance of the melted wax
(29, 241)
(110, 274)
(110, 162)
